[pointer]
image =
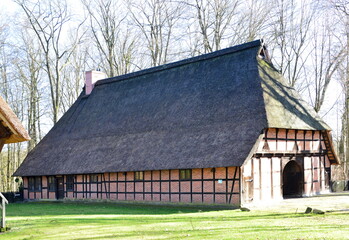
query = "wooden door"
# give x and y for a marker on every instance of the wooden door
(293, 180)
(248, 181)
(60, 188)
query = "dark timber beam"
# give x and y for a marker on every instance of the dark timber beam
(2, 143)
(4, 131)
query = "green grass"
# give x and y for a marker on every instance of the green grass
(72, 220)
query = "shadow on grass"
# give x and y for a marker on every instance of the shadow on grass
(163, 229)
(90, 208)
(37, 209)
(235, 217)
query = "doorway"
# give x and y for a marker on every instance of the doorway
(292, 180)
(60, 188)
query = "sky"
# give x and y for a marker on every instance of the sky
(7, 6)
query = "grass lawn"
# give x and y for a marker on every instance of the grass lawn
(73, 220)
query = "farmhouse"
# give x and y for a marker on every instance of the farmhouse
(221, 128)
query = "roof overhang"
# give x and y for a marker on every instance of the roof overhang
(331, 153)
(327, 137)
(12, 128)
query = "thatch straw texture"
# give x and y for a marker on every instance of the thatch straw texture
(12, 124)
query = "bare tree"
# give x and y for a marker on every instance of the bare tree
(48, 20)
(156, 20)
(4, 65)
(290, 32)
(112, 37)
(327, 57)
(15, 152)
(341, 10)
(254, 20)
(5, 61)
(13, 93)
(74, 76)
(214, 20)
(28, 66)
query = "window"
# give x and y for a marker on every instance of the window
(51, 183)
(31, 184)
(94, 178)
(184, 174)
(37, 183)
(70, 183)
(34, 184)
(139, 176)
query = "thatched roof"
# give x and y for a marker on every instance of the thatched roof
(284, 106)
(11, 128)
(207, 111)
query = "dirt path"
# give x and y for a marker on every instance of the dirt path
(326, 202)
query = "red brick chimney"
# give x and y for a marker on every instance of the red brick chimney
(91, 78)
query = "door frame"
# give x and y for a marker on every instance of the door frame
(300, 179)
(59, 187)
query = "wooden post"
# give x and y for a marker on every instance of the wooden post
(3, 209)
(3, 221)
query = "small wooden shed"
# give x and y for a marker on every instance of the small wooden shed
(222, 128)
(11, 131)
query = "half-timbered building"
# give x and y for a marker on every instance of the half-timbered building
(222, 128)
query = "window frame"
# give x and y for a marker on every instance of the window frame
(38, 184)
(185, 174)
(35, 184)
(51, 184)
(31, 184)
(94, 178)
(69, 183)
(139, 176)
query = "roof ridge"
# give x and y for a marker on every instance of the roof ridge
(179, 63)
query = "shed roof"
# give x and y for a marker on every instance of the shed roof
(11, 128)
(202, 112)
